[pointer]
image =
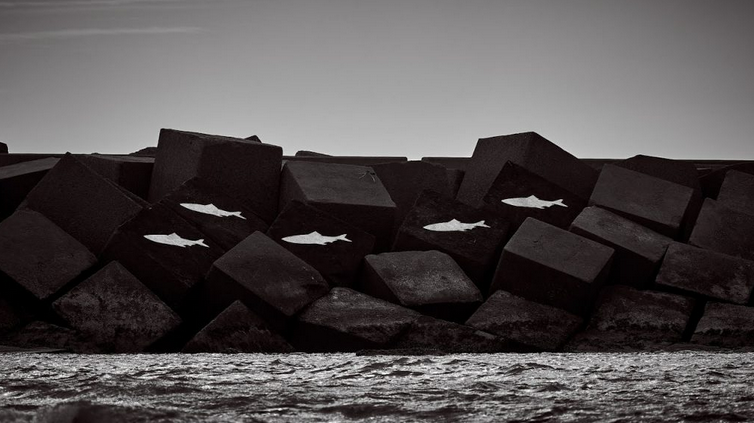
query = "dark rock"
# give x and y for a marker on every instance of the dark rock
(246, 170)
(116, 312)
(724, 230)
(39, 334)
(528, 150)
(351, 193)
(336, 260)
(427, 281)
(712, 181)
(737, 192)
(638, 250)
(725, 325)
(430, 334)
(549, 265)
(81, 202)
(231, 221)
(517, 194)
(269, 279)
(17, 180)
(237, 330)
(707, 273)
(347, 320)
(475, 248)
(129, 172)
(306, 153)
(530, 325)
(346, 160)
(655, 203)
(3, 148)
(253, 138)
(10, 317)
(676, 171)
(145, 152)
(38, 256)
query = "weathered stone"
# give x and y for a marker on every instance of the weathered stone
(428, 333)
(474, 244)
(736, 192)
(38, 256)
(517, 193)
(224, 219)
(246, 170)
(347, 320)
(39, 334)
(237, 330)
(351, 193)
(336, 259)
(724, 230)
(531, 151)
(626, 318)
(529, 325)
(116, 312)
(427, 281)
(267, 278)
(638, 250)
(17, 180)
(653, 202)
(725, 325)
(81, 202)
(707, 273)
(549, 265)
(129, 172)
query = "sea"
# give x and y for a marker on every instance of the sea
(548, 387)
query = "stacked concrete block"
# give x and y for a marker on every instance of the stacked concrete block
(332, 246)
(737, 192)
(638, 250)
(246, 170)
(15, 158)
(346, 160)
(430, 334)
(725, 325)
(724, 230)
(429, 282)
(351, 193)
(41, 335)
(551, 266)
(3, 148)
(713, 181)
(17, 180)
(131, 173)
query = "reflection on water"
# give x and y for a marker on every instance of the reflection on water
(689, 386)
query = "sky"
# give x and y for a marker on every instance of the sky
(414, 78)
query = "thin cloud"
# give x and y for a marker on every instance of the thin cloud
(94, 32)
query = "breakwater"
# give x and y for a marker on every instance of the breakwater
(216, 244)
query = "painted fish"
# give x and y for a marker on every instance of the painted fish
(175, 239)
(454, 226)
(315, 238)
(211, 209)
(532, 202)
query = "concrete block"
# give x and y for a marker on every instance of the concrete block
(736, 192)
(246, 170)
(725, 325)
(676, 171)
(43, 335)
(3, 148)
(707, 273)
(335, 257)
(129, 172)
(430, 334)
(116, 312)
(529, 325)
(346, 160)
(15, 158)
(10, 317)
(724, 230)
(712, 181)
(17, 180)
(460, 163)
(531, 151)
(548, 265)
(429, 282)
(638, 249)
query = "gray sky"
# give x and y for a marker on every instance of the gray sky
(406, 77)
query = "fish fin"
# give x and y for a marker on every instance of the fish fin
(237, 214)
(343, 238)
(201, 242)
(559, 203)
(481, 224)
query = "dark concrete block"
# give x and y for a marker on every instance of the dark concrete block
(551, 266)
(39, 334)
(116, 312)
(129, 172)
(427, 281)
(10, 317)
(307, 153)
(145, 152)
(707, 273)
(166, 253)
(351, 193)
(725, 325)
(724, 230)
(455, 179)
(638, 250)
(528, 150)
(336, 259)
(460, 163)
(237, 330)
(15, 158)
(712, 181)
(428, 333)
(346, 160)
(529, 325)
(3, 148)
(269, 279)
(629, 319)
(222, 218)
(655, 203)
(38, 256)
(474, 240)
(81, 202)
(246, 170)
(517, 193)
(676, 171)
(347, 320)
(736, 192)
(17, 180)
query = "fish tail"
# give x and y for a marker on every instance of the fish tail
(201, 242)
(559, 203)
(481, 224)
(343, 238)
(237, 214)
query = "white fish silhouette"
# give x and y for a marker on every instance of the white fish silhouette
(532, 202)
(211, 209)
(175, 239)
(454, 226)
(315, 238)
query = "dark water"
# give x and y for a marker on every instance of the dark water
(679, 386)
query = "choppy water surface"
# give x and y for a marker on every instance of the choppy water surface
(345, 387)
